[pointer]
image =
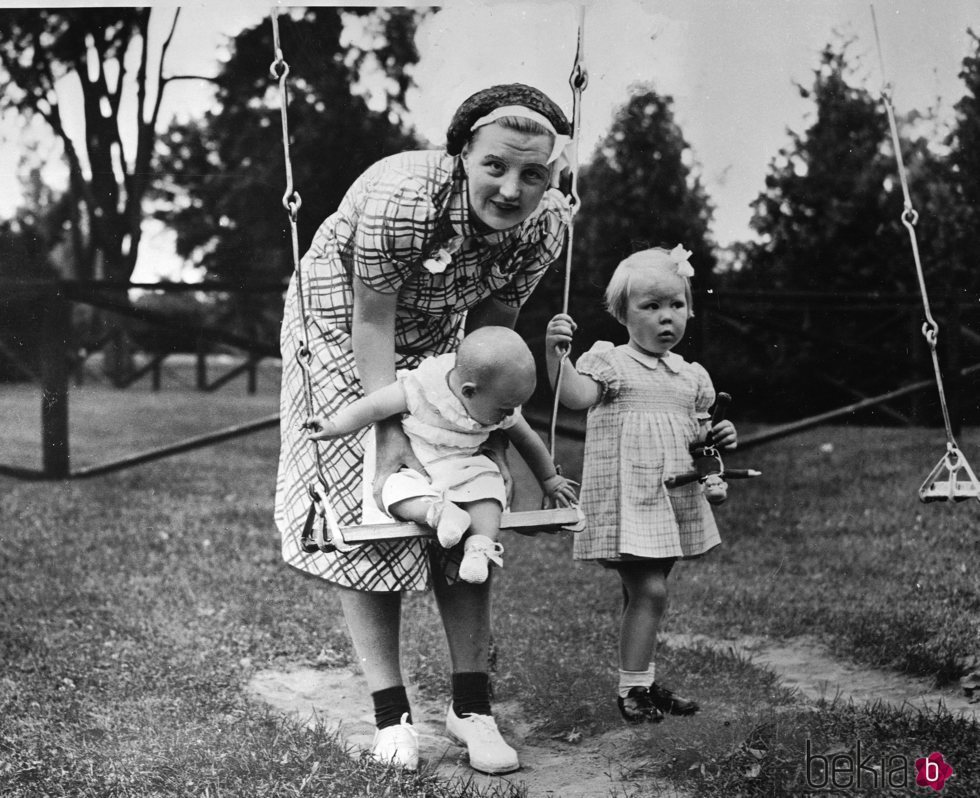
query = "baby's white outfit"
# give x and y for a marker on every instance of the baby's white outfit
(446, 440)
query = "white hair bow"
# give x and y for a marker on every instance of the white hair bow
(679, 257)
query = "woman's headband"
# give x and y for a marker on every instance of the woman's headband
(561, 141)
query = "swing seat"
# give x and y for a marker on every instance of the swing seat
(944, 482)
(322, 533)
(949, 490)
(525, 522)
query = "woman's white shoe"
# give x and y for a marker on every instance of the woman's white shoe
(397, 745)
(487, 750)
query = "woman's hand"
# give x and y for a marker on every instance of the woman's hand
(558, 335)
(723, 435)
(394, 452)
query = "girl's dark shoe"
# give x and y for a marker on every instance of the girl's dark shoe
(670, 703)
(638, 708)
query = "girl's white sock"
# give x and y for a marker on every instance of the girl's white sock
(631, 679)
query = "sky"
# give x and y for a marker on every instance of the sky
(732, 67)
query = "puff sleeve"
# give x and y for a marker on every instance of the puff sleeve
(705, 396)
(597, 364)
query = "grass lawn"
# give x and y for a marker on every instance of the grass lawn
(135, 606)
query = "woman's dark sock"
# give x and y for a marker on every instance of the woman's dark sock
(471, 693)
(389, 706)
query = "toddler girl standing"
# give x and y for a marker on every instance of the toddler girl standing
(647, 405)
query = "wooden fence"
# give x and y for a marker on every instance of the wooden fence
(731, 329)
(60, 359)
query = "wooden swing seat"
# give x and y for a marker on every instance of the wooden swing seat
(527, 522)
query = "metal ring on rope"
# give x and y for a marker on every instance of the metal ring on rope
(292, 202)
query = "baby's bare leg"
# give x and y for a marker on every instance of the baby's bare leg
(411, 509)
(484, 517)
(409, 496)
(450, 521)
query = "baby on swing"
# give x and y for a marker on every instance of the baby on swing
(449, 406)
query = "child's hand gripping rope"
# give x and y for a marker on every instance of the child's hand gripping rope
(559, 333)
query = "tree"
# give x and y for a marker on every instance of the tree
(824, 211)
(638, 190)
(965, 165)
(830, 222)
(27, 253)
(224, 173)
(109, 173)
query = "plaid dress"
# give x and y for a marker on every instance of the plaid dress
(392, 222)
(637, 434)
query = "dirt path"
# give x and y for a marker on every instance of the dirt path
(807, 666)
(339, 699)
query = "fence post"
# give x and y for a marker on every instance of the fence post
(54, 340)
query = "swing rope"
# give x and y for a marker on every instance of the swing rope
(933, 489)
(578, 80)
(315, 535)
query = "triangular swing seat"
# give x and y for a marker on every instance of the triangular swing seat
(944, 482)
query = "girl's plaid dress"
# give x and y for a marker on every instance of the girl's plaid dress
(640, 432)
(393, 231)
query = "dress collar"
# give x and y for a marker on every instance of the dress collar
(671, 360)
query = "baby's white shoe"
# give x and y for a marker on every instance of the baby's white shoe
(478, 552)
(450, 521)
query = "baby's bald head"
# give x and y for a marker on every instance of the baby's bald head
(498, 364)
